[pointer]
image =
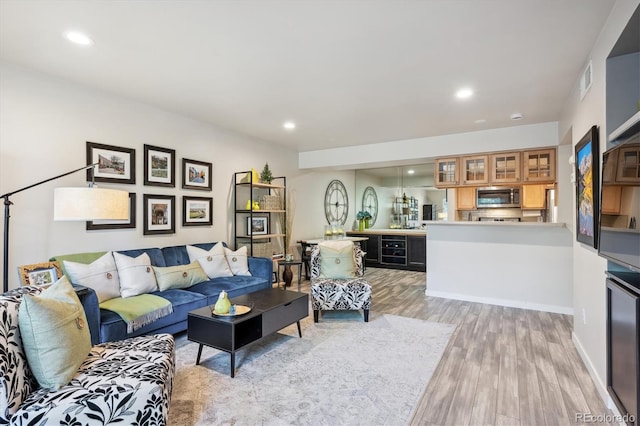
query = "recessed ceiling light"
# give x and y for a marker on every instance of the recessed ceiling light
(480, 121)
(517, 116)
(78, 38)
(289, 125)
(410, 171)
(464, 93)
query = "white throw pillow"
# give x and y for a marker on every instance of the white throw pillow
(213, 262)
(101, 275)
(136, 274)
(237, 261)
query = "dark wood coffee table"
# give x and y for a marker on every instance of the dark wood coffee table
(272, 310)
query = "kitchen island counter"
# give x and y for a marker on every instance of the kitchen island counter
(395, 248)
(519, 264)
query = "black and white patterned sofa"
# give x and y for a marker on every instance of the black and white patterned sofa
(126, 382)
(330, 294)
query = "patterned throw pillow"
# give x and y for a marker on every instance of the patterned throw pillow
(136, 274)
(336, 259)
(100, 275)
(237, 261)
(181, 276)
(55, 334)
(213, 262)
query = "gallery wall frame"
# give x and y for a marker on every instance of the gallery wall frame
(159, 166)
(115, 164)
(95, 225)
(39, 274)
(587, 172)
(196, 211)
(159, 214)
(196, 175)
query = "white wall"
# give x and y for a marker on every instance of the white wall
(417, 150)
(589, 295)
(520, 265)
(44, 124)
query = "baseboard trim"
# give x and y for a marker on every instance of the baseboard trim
(601, 387)
(502, 302)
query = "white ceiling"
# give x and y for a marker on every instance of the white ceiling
(347, 72)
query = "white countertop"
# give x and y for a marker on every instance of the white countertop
(516, 224)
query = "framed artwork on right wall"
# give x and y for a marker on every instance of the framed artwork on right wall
(587, 189)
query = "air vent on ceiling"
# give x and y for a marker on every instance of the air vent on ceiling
(585, 80)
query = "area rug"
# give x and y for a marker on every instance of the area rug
(342, 371)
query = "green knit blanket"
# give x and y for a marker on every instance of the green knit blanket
(138, 311)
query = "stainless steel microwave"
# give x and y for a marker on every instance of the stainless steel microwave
(497, 197)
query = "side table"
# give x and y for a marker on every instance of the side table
(284, 264)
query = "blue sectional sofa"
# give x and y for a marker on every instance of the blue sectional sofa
(107, 326)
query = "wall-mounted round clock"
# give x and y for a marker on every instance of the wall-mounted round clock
(370, 203)
(336, 203)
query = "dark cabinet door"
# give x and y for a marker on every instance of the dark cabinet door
(417, 253)
(373, 250)
(623, 347)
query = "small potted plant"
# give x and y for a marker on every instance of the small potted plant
(363, 217)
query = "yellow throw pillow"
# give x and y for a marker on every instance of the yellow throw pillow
(55, 334)
(336, 259)
(181, 276)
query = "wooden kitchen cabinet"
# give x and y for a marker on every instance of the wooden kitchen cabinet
(466, 198)
(505, 168)
(475, 170)
(611, 197)
(628, 165)
(533, 197)
(539, 165)
(447, 172)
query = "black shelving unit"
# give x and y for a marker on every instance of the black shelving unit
(245, 188)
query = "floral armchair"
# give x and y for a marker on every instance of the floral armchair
(339, 291)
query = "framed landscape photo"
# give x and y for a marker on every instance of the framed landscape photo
(587, 190)
(196, 175)
(94, 225)
(159, 166)
(40, 274)
(159, 214)
(196, 211)
(257, 225)
(115, 164)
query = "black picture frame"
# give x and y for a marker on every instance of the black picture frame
(159, 166)
(257, 225)
(94, 225)
(196, 175)
(159, 214)
(196, 211)
(115, 163)
(587, 174)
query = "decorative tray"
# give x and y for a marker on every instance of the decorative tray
(240, 310)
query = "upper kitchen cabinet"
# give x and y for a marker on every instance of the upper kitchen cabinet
(475, 170)
(539, 165)
(628, 164)
(505, 167)
(447, 172)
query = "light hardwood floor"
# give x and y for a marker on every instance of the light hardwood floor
(501, 366)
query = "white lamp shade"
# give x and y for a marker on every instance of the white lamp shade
(90, 204)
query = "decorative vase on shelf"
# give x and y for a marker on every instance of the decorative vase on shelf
(361, 225)
(367, 223)
(223, 304)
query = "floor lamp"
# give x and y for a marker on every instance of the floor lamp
(82, 204)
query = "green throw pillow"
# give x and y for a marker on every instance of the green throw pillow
(55, 334)
(181, 276)
(336, 260)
